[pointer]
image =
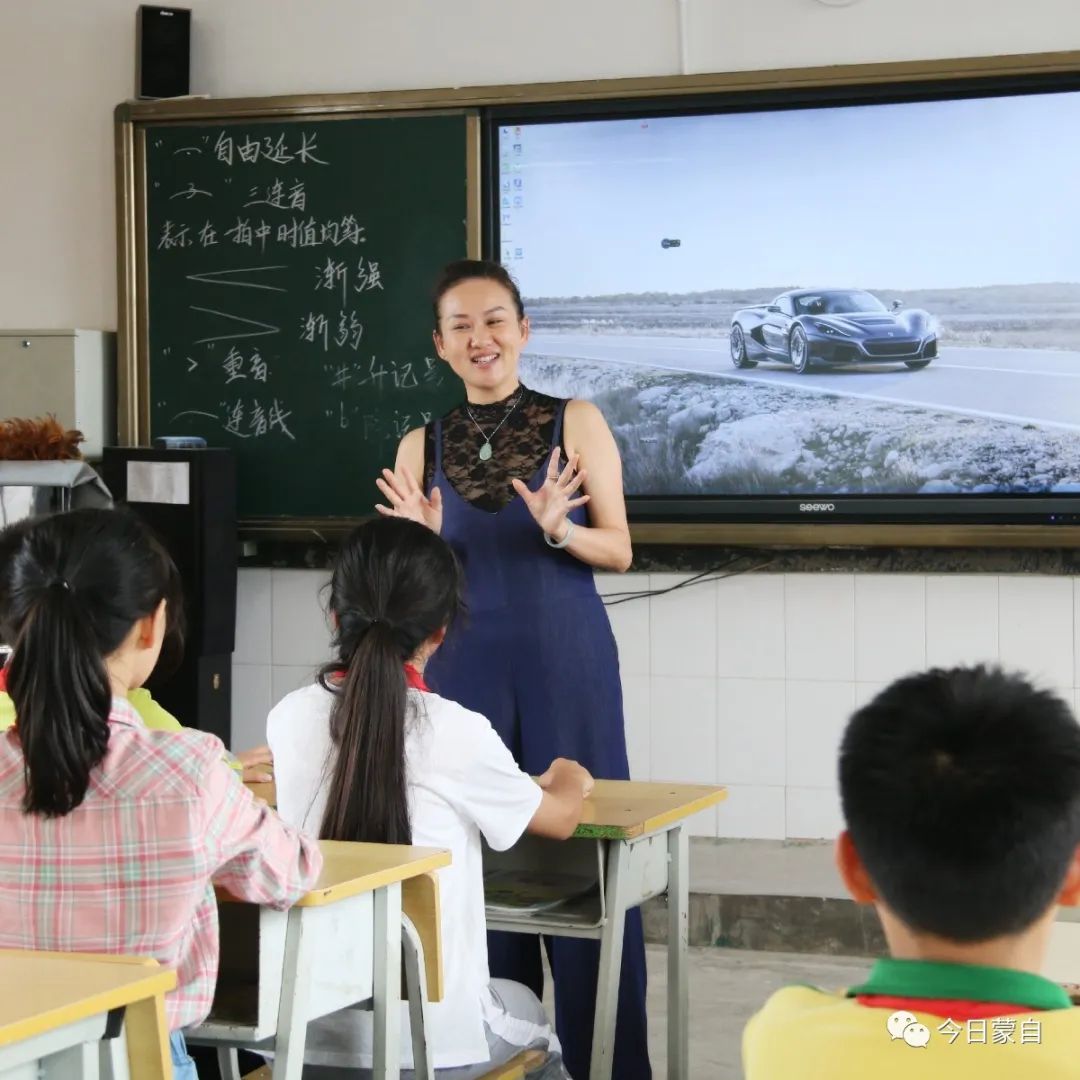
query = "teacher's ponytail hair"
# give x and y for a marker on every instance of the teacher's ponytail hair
(395, 584)
(72, 587)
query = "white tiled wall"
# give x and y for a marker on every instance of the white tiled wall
(282, 636)
(746, 681)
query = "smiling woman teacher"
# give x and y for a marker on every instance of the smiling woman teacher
(527, 489)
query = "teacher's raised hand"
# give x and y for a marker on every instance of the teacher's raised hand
(553, 500)
(407, 499)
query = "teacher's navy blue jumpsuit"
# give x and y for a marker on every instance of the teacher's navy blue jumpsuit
(536, 656)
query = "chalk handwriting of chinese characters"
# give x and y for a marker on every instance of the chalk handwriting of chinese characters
(251, 232)
(372, 425)
(227, 353)
(253, 420)
(433, 371)
(190, 192)
(174, 236)
(334, 273)
(279, 197)
(372, 372)
(237, 366)
(243, 149)
(316, 328)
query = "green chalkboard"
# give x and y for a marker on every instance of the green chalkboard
(288, 271)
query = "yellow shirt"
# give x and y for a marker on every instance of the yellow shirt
(150, 712)
(807, 1034)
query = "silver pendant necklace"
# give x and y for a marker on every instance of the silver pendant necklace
(485, 448)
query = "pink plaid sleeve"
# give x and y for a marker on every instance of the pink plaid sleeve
(256, 856)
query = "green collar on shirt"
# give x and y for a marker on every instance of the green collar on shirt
(961, 982)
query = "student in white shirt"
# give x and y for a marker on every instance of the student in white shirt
(368, 753)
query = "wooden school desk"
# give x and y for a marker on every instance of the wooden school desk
(630, 846)
(54, 1011)
(339, 945)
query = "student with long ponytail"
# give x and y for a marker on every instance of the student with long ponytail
(255, 765)
(369, 753)
(110, 833)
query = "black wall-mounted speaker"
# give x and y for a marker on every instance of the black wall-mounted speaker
(162, 51)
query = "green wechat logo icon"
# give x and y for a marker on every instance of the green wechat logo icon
(906, 1026)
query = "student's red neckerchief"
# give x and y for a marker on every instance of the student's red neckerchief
(949, 1008)
(413, 679)
(3, 680)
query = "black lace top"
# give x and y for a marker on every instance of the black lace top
(519, 447)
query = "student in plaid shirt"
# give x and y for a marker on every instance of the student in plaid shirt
(111, 833)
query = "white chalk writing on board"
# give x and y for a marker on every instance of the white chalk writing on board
(173, 236)
(254, 419)
(335, 273)
(278, 197)
(261, 218)
(236, 366)
(244, 149)
(190, 192)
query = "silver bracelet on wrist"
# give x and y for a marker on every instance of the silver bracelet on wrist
(570, 526)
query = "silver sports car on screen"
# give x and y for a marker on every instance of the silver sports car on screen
(803, 327)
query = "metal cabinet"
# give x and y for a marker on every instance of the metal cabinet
(69, 373)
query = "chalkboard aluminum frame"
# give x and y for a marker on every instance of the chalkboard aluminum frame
(132, 382)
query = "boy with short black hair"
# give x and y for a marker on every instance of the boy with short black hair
(961, 794)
